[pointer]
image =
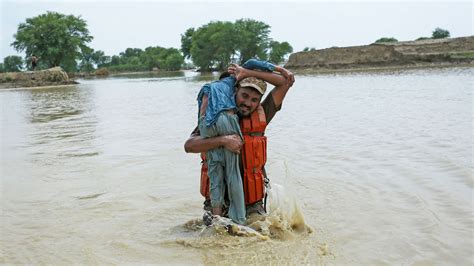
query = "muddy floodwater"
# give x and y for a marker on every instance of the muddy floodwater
(366, 168)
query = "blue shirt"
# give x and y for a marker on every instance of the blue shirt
(220, 97)
(220, 93)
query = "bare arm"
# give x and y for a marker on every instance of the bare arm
(279, 92)
(270, 77)
(196, 144)
(281, 82)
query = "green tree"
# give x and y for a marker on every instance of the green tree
(439, 33)
(99, 58)
(135, 59)
(173, 60)
(12, 63)
(422, 38)
(307, 49)
(162, 58)
(2, 68)
(131, 52)
(278, 51)
(115, 60)
(252, 39)
(151, 57)
(217, 44)
(213, 45)
(86, 64)
(386, 39)
(56, 38)
(186, 42)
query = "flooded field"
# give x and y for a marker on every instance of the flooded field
(367, 168)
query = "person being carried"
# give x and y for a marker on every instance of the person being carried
(217, 117)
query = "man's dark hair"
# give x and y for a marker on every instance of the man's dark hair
(224, 74)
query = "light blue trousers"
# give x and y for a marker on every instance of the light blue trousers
(223, 165)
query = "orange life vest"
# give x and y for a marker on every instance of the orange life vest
(254, 157)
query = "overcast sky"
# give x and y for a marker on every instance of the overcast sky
(117, 25)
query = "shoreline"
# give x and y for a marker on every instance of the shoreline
(433, 53)
(298, 71)
(20, 85)
(55, 76)
(2, 88)
(111, 74)
(368, 69)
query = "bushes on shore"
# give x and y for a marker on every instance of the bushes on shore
(386, 39)
(102, 72)
(440, 33)
(136, 59)
(12, 63)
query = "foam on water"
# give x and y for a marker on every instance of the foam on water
(275, 237)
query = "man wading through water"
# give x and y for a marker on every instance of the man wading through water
(254, 117)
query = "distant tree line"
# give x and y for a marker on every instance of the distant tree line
(152, 58)
(438, 33)
(62, 40)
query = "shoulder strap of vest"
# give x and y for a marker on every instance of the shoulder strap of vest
(255, 124)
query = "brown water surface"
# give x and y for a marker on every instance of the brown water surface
(377, 165)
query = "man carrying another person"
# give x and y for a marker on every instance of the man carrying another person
(254, 117)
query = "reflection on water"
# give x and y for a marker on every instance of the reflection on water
(159, 76)
(63, 122)
(139, 75)
(51, 104)
(378, 165)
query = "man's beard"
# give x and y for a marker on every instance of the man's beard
(241, 114)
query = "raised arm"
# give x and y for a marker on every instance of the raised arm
(281, 82)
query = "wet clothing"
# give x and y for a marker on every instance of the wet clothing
(222, 164)
(270, 109)
(220, 93)
(268, 105)
(259, 65)
(223, 167)
(220, 97)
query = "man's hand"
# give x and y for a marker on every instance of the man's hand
(289, 76)
(232, 142)
(238, 71)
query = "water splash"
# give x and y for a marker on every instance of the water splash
(284, 221)
(285, 218)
